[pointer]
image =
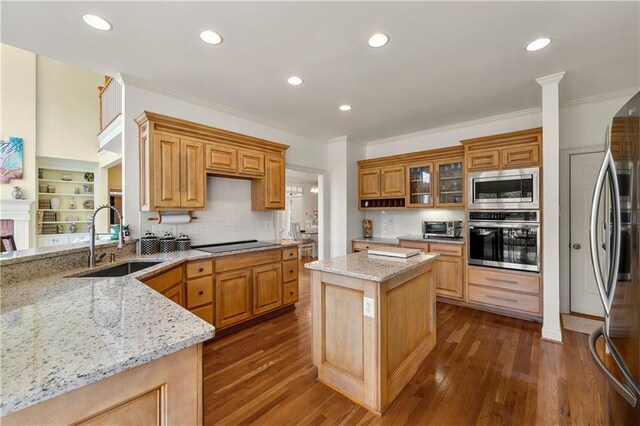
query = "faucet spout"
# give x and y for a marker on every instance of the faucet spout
(92, 240)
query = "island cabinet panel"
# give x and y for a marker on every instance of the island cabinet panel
(267, 288)
(369, 185)
(165, 391)
(232, 298)
(222, 158)
(392, 182)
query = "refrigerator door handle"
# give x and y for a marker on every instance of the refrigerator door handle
(620, 387)
(603, 289)
(616, 229)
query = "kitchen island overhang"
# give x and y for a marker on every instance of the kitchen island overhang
(373, 323)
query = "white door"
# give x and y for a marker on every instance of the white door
(584, 291)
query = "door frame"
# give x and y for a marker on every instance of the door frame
(565, 221)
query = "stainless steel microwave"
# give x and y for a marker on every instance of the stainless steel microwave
(504, 189)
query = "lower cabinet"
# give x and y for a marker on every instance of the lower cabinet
(233, 297)
(176, 294)
(267, 288)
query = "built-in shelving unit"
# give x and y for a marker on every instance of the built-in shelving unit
(69, 221)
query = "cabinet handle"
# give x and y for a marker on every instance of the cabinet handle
(201, 292)
(501, 298)
(498, 280)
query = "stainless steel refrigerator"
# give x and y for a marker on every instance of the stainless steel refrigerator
(615, 254)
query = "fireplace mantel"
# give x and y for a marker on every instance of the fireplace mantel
(20, 212)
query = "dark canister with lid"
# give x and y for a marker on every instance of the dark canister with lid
(149, 244)
(167, 243)
(183, 243)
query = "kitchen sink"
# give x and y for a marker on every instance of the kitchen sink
(119, 270)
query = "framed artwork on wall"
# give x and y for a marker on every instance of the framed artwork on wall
(10, 159)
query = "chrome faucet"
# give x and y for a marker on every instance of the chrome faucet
(92, 241)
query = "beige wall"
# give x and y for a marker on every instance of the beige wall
(115, 177)
(67, 110)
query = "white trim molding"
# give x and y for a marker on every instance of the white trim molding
(20, 212)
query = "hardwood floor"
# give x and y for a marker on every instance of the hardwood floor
(485, 369)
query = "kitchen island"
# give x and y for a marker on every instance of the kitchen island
(373, 323)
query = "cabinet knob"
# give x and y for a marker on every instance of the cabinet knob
(200, 269)
(201, 292)
(291, 271)
(291, 293)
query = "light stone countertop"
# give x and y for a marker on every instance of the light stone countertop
(396, 241)
(60, 333)
(369, 267)
(373, 240)
(26, 255)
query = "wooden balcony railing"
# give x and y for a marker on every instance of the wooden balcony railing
(110, 97)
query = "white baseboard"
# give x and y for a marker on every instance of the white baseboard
(550, 334)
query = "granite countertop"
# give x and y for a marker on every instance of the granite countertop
(26, 255)
(60, 333)
(368, 267)
(459, 240)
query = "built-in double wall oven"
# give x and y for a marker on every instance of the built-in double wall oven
(505, 239)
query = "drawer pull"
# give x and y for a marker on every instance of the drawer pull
(291, 271)
(291, 293)
(498, 280)
(506, 299)
(201, 292)
(200, 269)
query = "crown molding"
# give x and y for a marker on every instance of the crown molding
(600, 98)
(550, 79)
(463, 124)
(132, 81)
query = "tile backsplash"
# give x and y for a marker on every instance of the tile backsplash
(394, 223)
(228, 216)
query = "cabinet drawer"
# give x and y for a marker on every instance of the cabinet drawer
(200, 268)
(446, 249)
(290, 270)
(483, 160)
(251, 162)
(205, 312)
(290, 292)
(528, 284)
(247, 260)
(199, 291)
(221, 158)
(359, 246)
(166, 280)
(291, 253)
(415, 245)
(505, 299)
(518, 156)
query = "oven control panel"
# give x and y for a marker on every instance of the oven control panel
(504, 216)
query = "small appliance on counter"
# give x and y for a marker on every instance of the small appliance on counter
(149, 244)
(167, 243)
(183, 243)
(441, 228)
(367, 228)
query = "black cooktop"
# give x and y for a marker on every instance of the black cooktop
(234, 245)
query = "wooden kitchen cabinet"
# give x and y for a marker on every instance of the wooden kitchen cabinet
(449, 181)
(369, 183)
(392, 183)
(267, 288)
(488, 159)
(221, 158)
(420, 184)
(504, 151)
(520, 156)
(175, 294)
(268, 193)
(177, 155)
(170, 284)
(232, 297)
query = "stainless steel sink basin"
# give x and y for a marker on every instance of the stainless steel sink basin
(120, 270)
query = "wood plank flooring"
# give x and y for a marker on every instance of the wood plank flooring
(486, 369)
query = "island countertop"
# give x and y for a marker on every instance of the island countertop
(370, 267)
(60, 333)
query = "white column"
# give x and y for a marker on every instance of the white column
(345, 220)
(551, 329)
(19, 211)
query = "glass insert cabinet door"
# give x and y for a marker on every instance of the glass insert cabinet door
(450, 181)
(420, 184)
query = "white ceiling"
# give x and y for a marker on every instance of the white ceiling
(447, 62)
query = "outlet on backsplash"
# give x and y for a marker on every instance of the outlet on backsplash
(159, 230)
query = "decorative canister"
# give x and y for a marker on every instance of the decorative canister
(149, 244)
(367, 228)
(167, 243)
(55, 203)
(183, 243)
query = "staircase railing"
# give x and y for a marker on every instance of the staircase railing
(110, 96)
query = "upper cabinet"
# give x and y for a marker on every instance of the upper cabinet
(176, 156)
(412, 180)
(505, 151)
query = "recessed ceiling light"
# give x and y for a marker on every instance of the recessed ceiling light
(294, 80)
(378, 40)
(211, 37)
(345, 107)
(97, 22)
(538, 44)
